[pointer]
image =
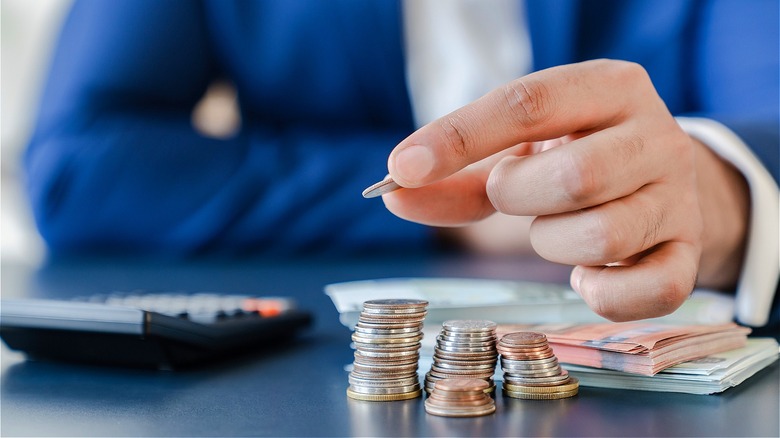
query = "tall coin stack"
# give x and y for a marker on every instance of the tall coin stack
(387, 350)
(460, 398)
(465, 349)
(531, 370)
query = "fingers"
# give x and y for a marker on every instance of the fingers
(457, 200)
(595, 169)
(655, 286)
(544, 105)
(602, 165)
(616, 230)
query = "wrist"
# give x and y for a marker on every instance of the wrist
(724, 200)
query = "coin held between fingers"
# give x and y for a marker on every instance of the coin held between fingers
(380, 188)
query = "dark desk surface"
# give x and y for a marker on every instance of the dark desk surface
(300, 390)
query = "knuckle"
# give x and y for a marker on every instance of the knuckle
(579, 179)
(529, 102)
(627, 70)
(629, 146)
(603, 237)
(456, 136)
(654, 221)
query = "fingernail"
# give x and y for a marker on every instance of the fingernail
(413, 164)
(576, 279)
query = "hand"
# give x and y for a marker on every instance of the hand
(593, 152)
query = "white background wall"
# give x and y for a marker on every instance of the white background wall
(28, 29)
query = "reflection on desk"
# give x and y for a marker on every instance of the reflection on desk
(300, 390)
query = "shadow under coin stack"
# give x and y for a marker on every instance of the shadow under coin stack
(465, 349)
(460, 398)
(387, 350)
(531, 370)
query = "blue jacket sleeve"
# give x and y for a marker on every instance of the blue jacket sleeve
(114, 162)
(737, 76)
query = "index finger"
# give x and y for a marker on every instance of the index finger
(543, 105)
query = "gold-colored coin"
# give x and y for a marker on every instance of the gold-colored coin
(536, 381)
(568, 385)
(383, 397)
(543, 396)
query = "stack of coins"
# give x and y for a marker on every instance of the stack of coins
(531, 370)
(387, 350)
(460, 398)
(465, 349)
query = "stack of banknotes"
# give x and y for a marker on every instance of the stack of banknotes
(708, 375)
(636, 347)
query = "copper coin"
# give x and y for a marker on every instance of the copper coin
(524, 338)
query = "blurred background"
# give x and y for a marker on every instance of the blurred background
(28, 30)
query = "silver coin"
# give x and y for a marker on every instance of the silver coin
(530, 365)
(380, 188)
(469, 325)
(382, 383)
(541, 381)
(385, 340)
(450, 366)
(458, 343)
(477, 349)
(395, 302)
(387, 331)
(465, 363)
(392, 310)
(468, 337)
(550, 372)
(391, 361)
(389, 325)
(400, 346)
(384, 369)
(462, 371)
(444, 355)
(389, 338)
(388, 354)
(375, 390)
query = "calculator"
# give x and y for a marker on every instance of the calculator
(160, 330)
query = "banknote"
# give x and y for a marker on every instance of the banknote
(639, 347)
(708, 375)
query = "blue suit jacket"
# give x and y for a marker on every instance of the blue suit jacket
(115, 164)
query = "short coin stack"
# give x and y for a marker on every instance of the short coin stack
(465, 349)
(531, 370)
(387, 350)
(460, 398)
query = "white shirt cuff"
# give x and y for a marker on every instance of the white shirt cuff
(761, 268)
